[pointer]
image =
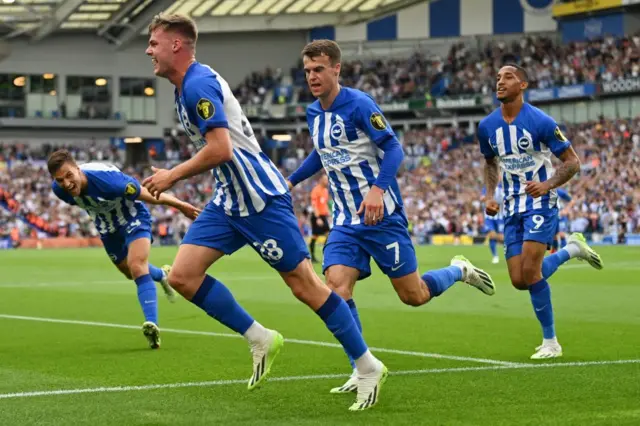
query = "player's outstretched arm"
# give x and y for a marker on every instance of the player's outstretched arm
(169, 200)
(309, 167)
(218, 150)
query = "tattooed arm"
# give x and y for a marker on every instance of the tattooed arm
(491, 177)
(570, 166)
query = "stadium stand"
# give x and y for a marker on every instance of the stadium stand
(471, 68)
(441, 181)
(442, 163)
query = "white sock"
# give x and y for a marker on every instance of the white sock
(367, 363)
(551, 342)
(463, 268)
(256, 333)
(572, 249)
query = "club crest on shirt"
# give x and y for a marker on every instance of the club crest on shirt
(337, 130)
(559, 135)
(377, 121)
(130, 189)
(524, 143)
(205, 109)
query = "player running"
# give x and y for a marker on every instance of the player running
(519, 139)
(495, 224)
(320, 213)
(349, 132)
(114, 201)
(564, 203)
(251, 206)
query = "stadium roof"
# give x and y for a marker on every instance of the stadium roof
(120, 21)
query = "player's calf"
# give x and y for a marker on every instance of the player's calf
(306, 286)
(412, 290)
(341, 280)
(336, 315)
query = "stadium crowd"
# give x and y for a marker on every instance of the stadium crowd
(441, 181)
(468, 69)
(441, 177)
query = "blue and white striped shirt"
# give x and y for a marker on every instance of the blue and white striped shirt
(110, 198)
(244, 184)
(347, 138)
(524, 149)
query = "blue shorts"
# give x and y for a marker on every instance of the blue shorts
(495, 225)
(388, 243)
(273, 233)
(117, 244)
(535, 225)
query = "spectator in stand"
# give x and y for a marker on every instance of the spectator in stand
(469, 70)
(441, 182)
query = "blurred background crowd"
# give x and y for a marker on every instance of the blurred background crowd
(441, 177)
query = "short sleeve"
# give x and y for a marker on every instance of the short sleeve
(205, 100)
(553, 137)
(369, 118)
(485, 146)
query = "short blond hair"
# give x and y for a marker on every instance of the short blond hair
(323, 47)
(181, 24)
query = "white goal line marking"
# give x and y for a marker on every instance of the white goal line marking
(298, 341)
(302, 378)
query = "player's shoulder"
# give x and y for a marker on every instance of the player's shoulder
(200, 75)
(491, 120)
(351, 93)
(101, 172)
(314, 108)
(356, 98)
(537, 115)
(96, 168)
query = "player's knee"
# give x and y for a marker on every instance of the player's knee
(519, 284)
(182, 282)
(301, 293)
(531, 274)
(340, 286)
(137, 268)
(517, 281)
(301, 281)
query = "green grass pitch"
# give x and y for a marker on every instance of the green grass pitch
(462, 359)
